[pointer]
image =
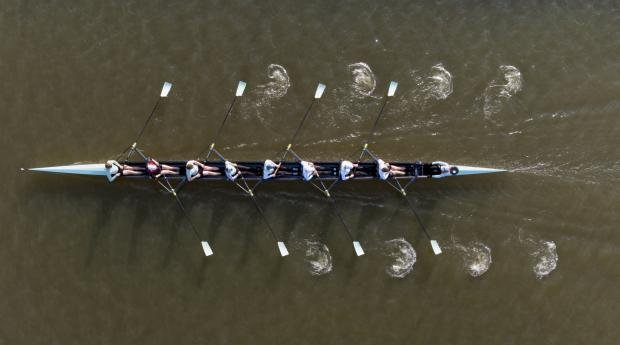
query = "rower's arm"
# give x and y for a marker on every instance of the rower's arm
(111, 178)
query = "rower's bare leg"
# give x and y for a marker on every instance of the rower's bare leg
(165, 171)
(396, 167)
(397, 173)
(132, 168)
(210, 173)
(132, 172)
(169, 167)
(209, 168)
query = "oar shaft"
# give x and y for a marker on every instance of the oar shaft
(337, 212)
(303, 120)
(228, 112)
(148, 120)
(262, 214)
(374, 126)
(417, 217)
(191, 224)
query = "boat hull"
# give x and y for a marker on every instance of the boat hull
(289, 170)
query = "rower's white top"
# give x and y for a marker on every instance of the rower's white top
(230, 170)
(308, 170)
(193, 171)
(345, 169)
(112, 172)
(381, 164)
(268, 168)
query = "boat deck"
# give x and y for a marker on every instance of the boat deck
(292, 170)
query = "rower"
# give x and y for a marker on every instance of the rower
(385, 170)
(195, 169)
(113, 170)
(270, 169)
(308, 170)
(346, 170)
(232, 170)
(154, 169)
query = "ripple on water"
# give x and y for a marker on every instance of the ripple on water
(431, 86)
(476, 257)
(500, 90)
(404, 257)
(364, 82)
(318, 258)
(276, 87)
(546, 257)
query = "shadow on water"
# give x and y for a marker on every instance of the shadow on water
(102, 220)
(136, 232)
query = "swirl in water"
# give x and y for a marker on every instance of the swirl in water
(277, 86)
(404, 257)
(431, 86)
(318, 258)
(546, 259)
(498, 92)
(439, 83)
(364, 81)
(476, 258)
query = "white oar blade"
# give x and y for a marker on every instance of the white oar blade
(282, 248)
(240, 88)
(319, 91)
(206, 248)
(436, 248)
(166, 89)
(392, 88)
(358, 248)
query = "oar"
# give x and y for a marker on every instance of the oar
(317, 95)
(164, 93)
(240, 89)
(356, 245)
(434, 244)
(206, 248)
(390, 93)
(281, 245)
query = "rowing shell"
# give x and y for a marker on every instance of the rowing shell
(291, 170)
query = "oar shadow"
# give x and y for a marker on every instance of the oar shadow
(178, 223)
(217, 218)
(136, 232)
(250, 230)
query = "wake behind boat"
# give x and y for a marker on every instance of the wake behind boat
(247, 176)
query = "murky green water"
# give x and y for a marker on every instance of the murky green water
(529, 256)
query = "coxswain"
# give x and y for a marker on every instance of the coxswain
(195, 169)
(155, 169)
(308, 170)
(270, 169)
(346, 170)
(113, 170)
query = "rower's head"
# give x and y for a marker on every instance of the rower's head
(386, 168)
(189, 165)
(109, 164)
